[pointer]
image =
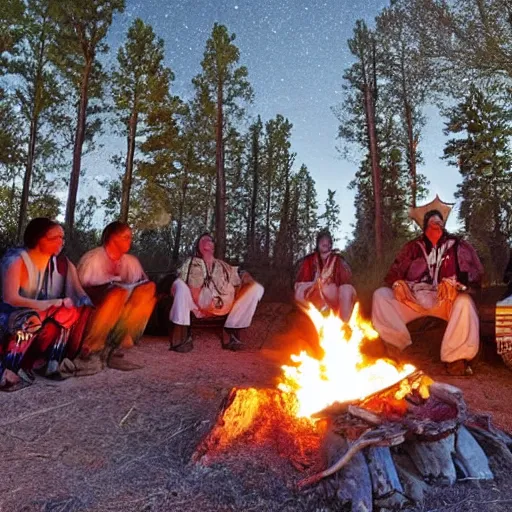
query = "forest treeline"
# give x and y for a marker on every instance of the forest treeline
(205, 165)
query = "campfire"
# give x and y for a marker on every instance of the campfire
(364, 432)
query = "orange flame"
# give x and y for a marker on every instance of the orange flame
(342, 374)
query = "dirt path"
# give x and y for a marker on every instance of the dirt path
(122, 441)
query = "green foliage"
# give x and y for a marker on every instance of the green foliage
(483, 155)
(330, 219)
(11, 20)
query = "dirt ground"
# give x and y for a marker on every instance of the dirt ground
(122, 441)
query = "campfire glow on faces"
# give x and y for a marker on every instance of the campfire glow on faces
(342, 374)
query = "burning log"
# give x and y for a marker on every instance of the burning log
(379, 446)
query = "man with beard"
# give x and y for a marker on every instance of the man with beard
(324, 279)
(209, 287)
(431, 277)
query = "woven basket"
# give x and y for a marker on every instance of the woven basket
(507, 358)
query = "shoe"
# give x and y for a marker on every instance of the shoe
(234, 344)
(180, 339)
(11, 382)
(459, 368)
(185, 346)
(26, 375)
(90, 365)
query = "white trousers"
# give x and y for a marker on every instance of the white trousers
(239, 317)
(341, 297)
(461, 338)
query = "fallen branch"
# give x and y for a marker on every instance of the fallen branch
(377, 437)
(125, 417)
(36, 413)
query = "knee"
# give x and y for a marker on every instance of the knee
(116, 297)
(464, 301)
(148, 288)
(179, 287)
(382, 294)
(257, 289)
(347, 291)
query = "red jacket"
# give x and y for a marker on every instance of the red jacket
(334, 270)
(455, 258)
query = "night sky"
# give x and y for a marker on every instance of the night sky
(296, 52)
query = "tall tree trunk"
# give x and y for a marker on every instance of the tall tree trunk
(411, 143)
(77, 149)
(376, 173)
(22, 219)
(128, 173)
(220, 196)
(34, 127)
(254, 198)
(267, 216)
(181, 208)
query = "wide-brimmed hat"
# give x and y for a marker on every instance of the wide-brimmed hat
(418, 214)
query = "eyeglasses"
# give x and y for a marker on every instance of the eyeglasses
(55, 238)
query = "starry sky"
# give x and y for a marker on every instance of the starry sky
(296, 52)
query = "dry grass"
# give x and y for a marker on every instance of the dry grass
(123, 441)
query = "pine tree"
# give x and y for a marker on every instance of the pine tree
(330, 219)
(139, 83)
(304, 221)
(83, 27)
(39, 94)
(409, 82)
(255, 171)
(227, 87)
(466, 40)
(275, 180)
(362, 75)
(483, 155)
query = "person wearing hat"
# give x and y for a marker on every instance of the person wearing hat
(431, 277)
(207, 287)
(324, 279)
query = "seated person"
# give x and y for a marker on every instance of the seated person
(210, 287)
(123, 296)
(43, 309)
(324, 279)
(504, 319)
(429, 277)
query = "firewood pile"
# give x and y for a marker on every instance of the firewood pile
(386, 451)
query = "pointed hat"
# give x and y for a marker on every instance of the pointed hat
(418, 214)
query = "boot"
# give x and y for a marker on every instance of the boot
(459, 368)
(393, 352)
(234, 342)
(180, 339)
